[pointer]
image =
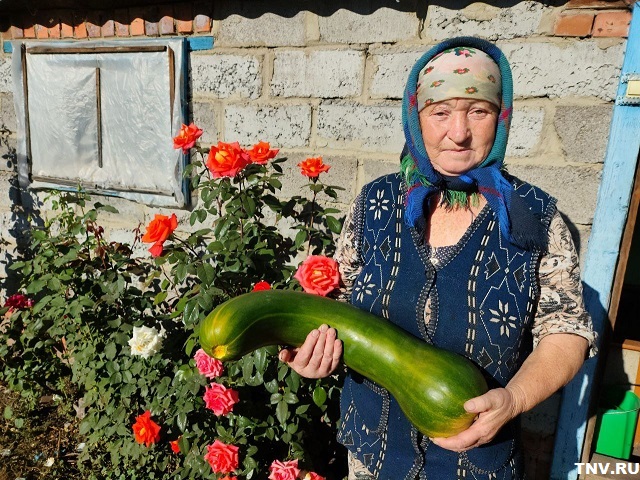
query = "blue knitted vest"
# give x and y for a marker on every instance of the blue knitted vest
(481, 301)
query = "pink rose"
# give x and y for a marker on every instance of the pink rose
(284, 470)
(220, 399)
(318, 274)
(208, 366)
(223, 458)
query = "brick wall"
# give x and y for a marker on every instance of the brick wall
(328, 81)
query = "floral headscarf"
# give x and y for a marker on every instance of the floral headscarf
(461, 72)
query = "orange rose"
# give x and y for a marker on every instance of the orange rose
(261, 154)
(318, 275)
(187, 137)
(160, 228)
(146, 430)
(175, 448)
(227, 159)
(313, 167)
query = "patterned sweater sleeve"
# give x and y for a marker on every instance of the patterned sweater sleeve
(348, 250)
(561, 306)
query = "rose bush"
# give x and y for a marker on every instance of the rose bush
(119, 328)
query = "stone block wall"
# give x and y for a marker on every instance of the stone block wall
(326, 78)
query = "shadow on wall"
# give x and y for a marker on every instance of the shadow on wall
(25, 212)
(49, 12)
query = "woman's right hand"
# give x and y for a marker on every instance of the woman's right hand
(318, 356)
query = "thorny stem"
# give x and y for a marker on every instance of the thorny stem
(310, 225)
(240, 191)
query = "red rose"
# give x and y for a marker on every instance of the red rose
(187, 137)
(18, 301)
(313, 167)
(223, 458)
(261, 285)
(261, 154)
(160, 228)
(146, 430)
(229, 478)
(318, 274)
(175, 448)
(208, 366)
(284, 470)
(227, 159)
(220, 399)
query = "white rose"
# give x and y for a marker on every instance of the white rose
(146, 341)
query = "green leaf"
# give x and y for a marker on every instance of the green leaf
(290, 398)
(260, 360)
(271, 386)
(191, 313)
(205, 301)
(215, 247)
(301, 237)
(302, 409)
(331, 192)
(105, 208)
(282, 411)
(334, 224)
(110, 351)
(182, 421)
(319, 396)
(181, 272)
(249, 205)
(160, 297)
(8, 412)
(206, 273)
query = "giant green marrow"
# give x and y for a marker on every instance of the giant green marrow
(430, 384)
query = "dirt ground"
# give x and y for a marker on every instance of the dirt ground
(36, 444)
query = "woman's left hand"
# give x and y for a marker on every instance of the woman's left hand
(494, 409)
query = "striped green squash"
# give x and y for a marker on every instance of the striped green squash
(429, 383)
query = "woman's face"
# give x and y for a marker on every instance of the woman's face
(458, 133)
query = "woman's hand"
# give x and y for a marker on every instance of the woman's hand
(318, 356)
(495, 408)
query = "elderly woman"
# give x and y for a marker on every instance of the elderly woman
(461, 254)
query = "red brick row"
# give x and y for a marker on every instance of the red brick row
(121, 23)
(577, 23)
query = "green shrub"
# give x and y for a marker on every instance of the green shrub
(78, 339)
